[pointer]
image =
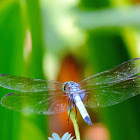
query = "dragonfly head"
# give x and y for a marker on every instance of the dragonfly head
(70, 87)
(65, 88)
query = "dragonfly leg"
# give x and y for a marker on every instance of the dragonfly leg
(69, 104)
(75, 108)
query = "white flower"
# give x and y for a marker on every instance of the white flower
(66, 136)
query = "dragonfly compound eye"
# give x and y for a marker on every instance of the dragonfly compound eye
(65, 88)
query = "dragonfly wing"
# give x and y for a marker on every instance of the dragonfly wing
(36, 102)
(118, 73)
(28, 85)
(113, 94)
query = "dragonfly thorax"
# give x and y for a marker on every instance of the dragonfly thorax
(71, 88)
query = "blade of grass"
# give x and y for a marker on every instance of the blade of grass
(115, 17)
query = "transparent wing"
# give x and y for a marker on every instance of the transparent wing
(28, 85)
(118, 73)
(113, 94)
(36, 102)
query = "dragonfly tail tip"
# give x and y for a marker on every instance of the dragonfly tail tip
(87, 120)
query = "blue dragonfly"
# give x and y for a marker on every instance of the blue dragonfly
(50, 97)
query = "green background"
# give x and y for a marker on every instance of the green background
(98, 34)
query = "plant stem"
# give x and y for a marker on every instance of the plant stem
(74, 121)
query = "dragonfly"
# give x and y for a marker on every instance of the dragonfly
(51, 97)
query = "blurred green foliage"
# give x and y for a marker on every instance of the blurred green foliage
(14, 22)
(105, 32)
